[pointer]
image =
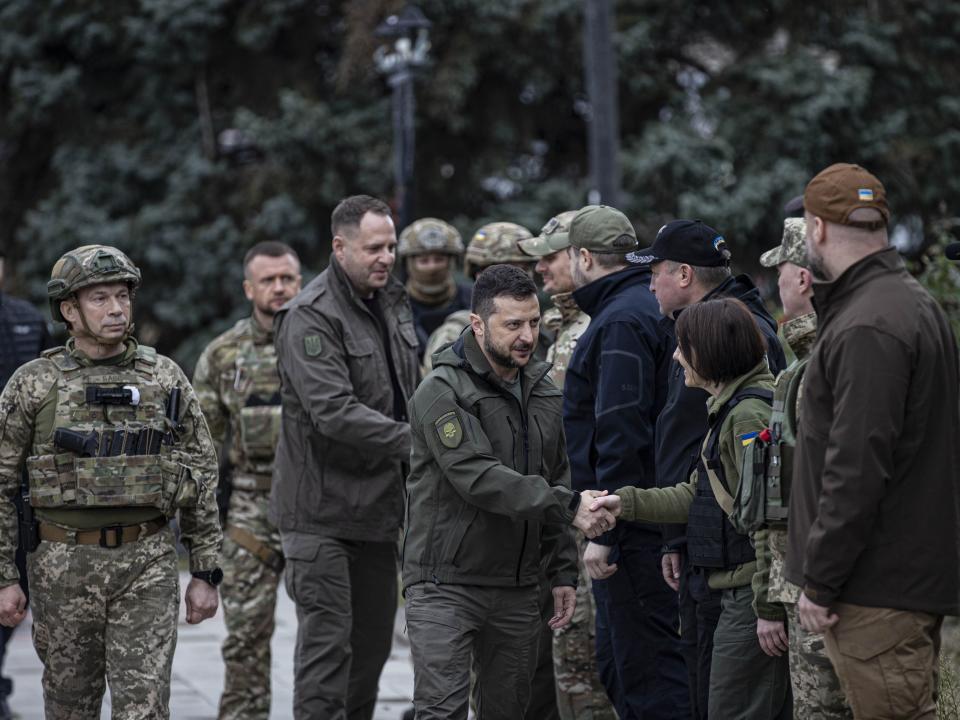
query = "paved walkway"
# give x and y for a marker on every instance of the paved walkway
(198, 670)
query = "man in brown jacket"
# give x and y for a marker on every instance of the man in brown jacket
(347, 356)
(874, 510)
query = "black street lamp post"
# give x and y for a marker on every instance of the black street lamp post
(399, 62)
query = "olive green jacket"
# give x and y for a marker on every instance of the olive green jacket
(672, 504)
(488, 495)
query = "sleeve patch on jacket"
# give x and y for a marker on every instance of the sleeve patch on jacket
(312, 345)
(449, 430)
(747, 438)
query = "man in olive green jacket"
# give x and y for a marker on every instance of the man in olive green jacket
(488, 497)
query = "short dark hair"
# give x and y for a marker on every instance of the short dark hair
(351, 210)
(499, 281)
(270, 248)
(607, 260)
(720, 339)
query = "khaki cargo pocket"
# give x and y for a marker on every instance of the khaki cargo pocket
(180, 488)
(887, 667)
(121, 481)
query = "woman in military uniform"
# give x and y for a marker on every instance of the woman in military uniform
(722, 351)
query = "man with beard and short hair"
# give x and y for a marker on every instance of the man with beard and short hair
(239, 391)
(875, 502)
(579, 693)
(615, 387)
(347, 357)
(690, 262)
(488, 501)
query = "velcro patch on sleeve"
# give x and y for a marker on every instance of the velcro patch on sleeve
(312, 345)
(748, 438)
(449, 430)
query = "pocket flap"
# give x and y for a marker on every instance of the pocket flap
(882, 637)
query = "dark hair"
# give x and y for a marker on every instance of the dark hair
(720, 339)
(270, 248)
(607, 260)
(499, 281)
(351, 210)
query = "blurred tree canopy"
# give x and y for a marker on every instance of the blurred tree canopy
(182, 131)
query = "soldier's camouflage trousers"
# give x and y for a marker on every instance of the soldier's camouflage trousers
(249, 595)
(816, 688)
(105, 614)
(580, 694)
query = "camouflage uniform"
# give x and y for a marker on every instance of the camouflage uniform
(817, 694)
(104, 577)
(238, 386)
(493, 243)
(568, 321)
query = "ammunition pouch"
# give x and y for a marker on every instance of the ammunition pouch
(162, 481)
(259, 431)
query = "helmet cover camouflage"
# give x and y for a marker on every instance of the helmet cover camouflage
(429, 235)
(792, 247)
(496, 243)
(85, 266)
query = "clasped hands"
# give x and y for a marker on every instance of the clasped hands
(597, 513)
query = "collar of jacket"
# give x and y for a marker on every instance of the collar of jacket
(466, 354)
(390, 294)
(594, 295)
(829, 295)
(86, 361)
(258, 333)
(567, 305)
(800, 333)
(758, 376)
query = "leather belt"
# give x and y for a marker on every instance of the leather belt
(259, 549)
(108, 537)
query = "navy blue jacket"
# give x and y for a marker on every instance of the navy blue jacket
(682, 425)
(616, 385)
(23, 335)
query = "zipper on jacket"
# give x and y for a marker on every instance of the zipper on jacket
(526, 460)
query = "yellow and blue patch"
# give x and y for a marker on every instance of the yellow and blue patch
(865, 195)
(748, 438)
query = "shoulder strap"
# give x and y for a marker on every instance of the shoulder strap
(789, 430)
(145, 360)
(711, 456)
(61, 358)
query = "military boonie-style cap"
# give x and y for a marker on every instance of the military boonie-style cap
(692, 242)
(553, 237)
(792, 247)
(600, 228)
(842, 188)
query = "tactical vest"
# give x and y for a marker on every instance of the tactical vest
(712, 542)
(763, 497)
(117, 448)
(256, 385)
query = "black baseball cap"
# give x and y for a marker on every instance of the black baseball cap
(688, 241)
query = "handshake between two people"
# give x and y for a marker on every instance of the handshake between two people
(597, 512)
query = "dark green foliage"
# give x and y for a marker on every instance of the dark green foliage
(110, 114)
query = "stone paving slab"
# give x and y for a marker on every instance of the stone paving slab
(198, 670)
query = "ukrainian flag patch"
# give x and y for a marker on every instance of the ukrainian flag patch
(865, 194)
(748, 438)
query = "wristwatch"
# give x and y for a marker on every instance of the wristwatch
(211, 577)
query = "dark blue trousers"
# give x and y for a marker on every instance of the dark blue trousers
(638, 638)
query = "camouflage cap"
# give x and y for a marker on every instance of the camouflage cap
(792, 247)
(496, 243)
(429, 235)
(553, 237)
(600, 228)
(85, 266)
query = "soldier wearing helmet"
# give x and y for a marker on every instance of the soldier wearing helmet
(115, 445)
(495, 243)
(430, 248)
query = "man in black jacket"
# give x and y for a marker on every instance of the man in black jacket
(690, 262)
(614, 389)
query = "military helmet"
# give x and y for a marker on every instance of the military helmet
(85, 266)
(429, 235)
(495, 243)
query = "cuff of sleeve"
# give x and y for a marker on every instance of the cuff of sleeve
(628, 507)
(819, 595)
(564, 580)
(770, 611)
(203, 563)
